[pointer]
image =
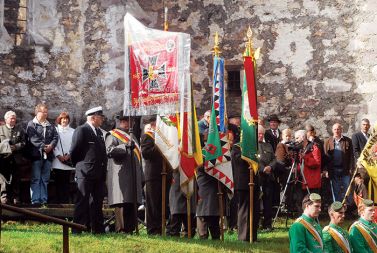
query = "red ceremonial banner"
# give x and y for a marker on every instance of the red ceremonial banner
(154, 72)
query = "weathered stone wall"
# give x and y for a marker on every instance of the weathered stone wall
(317, 59)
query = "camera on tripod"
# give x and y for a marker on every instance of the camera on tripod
(295, 146)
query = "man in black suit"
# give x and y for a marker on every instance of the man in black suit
(273, 135)
(359, 140)
(88, 154)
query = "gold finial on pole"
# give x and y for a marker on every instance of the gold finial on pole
(166, 25)
(249, 43)
(216, 48)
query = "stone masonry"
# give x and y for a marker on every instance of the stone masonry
(317, 60)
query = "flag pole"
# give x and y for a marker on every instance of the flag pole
(163, 173)
(216, 51)
(188, 206)
(249, 53)
(163, 198)
(221, 210)
(131, 146)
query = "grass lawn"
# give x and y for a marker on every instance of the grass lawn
(36, 237)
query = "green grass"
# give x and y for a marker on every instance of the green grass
(36, 237)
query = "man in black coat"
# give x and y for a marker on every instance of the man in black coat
(88, 154)
(273, 135)
(359, 139)
(153, 179)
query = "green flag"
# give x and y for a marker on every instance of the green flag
(249, 116)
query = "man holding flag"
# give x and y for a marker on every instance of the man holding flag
(248, 197)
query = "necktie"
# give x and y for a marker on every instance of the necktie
(99, 134)
(274, 132)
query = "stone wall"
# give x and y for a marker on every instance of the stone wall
(317, 59)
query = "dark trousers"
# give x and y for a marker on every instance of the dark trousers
(10, 171)
(233, 205)
(62, 180)
(176, 222)
(267, 198)
(124, 217)
(88, 206)
(153, 206)
(243, 221)
(209, 224)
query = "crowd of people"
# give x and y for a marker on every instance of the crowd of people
(292, 167)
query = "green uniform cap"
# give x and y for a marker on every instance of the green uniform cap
(336, 206)
(315, 197)
(368, 202)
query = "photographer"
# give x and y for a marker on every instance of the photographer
(62, 165)
(310, 155)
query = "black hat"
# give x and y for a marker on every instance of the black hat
(149, 119)
(122, 117)
(273, 117)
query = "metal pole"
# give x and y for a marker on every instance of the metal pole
(163, 198)
(221, 210)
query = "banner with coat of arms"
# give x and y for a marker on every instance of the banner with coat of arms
(156, 63)
(368, 158)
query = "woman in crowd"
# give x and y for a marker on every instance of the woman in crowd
(62, 165)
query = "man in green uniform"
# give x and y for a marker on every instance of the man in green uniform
(335, 239)
(305, 234)
(363, 232)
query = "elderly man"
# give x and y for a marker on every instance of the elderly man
(311, 155)
(340, 160)
(203, 125)
(12, 140)
(363, 232)
(305, 234)
(88, 154)
(335, 239)
(121, 174)
(43, 138)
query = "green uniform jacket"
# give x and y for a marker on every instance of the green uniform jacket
(358, 243)
(330, 245)
(301, 240)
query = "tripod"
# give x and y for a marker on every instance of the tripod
(292, 179)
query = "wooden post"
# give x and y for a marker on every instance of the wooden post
(163, 199)
(221, 210)
(65, 239)
(251, 204)
(188, 207)
(350, 186)
(1, 218)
